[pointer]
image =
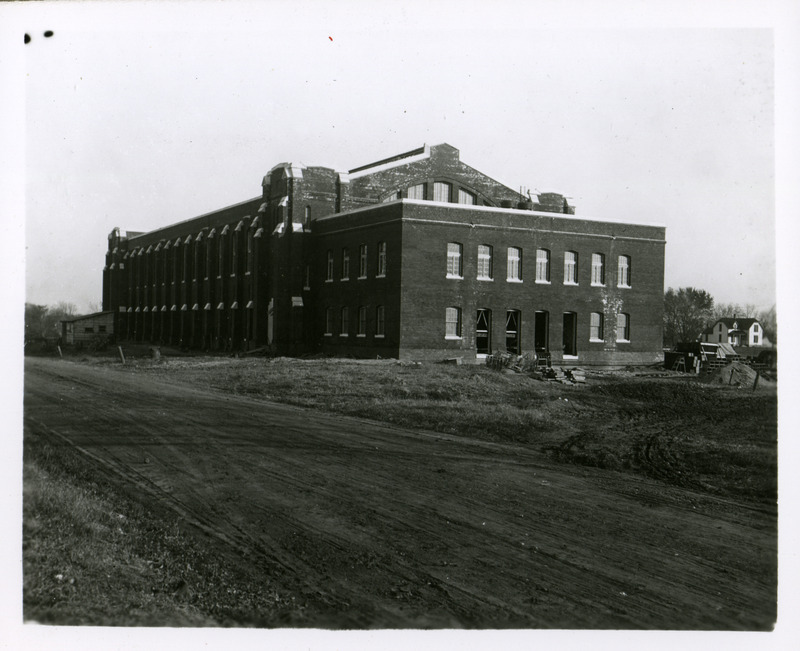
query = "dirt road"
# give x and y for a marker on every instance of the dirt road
(375, 526)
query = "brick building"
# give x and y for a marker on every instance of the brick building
(418, 256)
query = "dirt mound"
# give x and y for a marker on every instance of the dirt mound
(736, 374)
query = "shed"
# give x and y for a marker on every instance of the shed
(83, 330)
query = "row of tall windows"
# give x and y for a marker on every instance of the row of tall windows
(344, 324)
(455, 268)
(483, 327)
(442, 191)
(380, 269)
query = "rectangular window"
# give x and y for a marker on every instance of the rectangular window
(514, 266)
(624, 271)
(329, 269)
(755, 338)
(623, 327)
(454, 260)
(441, 192)
(417, 191)
(484, 262)
(570, 268)
(345, 263)
(381, 259)
(512, 332)
(483, 332)
(379, 321)
(345, 322)
(328, 321)
(88, 330)
(542, 266)
(452, 323)
(362, 321)
(362, 261)
(598, 269)
(596, 326)
(466, 197)
(101, 328)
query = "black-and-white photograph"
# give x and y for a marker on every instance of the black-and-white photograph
(408, 320)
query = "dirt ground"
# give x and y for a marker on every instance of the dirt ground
(377, 526)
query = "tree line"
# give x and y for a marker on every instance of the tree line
(44, 322)
(689, 311)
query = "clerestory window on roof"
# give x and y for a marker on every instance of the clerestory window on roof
(417, 191)
(466, 197)
(441, 191)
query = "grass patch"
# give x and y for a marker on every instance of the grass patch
(714, 438)
(93, 556)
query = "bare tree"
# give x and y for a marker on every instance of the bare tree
(730, 310)
(769, 321)
(45, 321)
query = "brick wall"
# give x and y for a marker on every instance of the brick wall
(351, 231)
(427, 228)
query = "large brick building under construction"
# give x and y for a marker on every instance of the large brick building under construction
(418, 256)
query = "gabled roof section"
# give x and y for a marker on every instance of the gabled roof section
(742, 323)
(399, 159)
(412, 156)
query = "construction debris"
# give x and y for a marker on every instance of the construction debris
(528, 364)
(517, 363)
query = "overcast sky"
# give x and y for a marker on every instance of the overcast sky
(138, 116)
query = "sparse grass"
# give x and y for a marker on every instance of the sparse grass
(92, 556)
(711, 437)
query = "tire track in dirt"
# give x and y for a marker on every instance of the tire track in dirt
(403, 528)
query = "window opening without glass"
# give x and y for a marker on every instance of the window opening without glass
(512, 332)
(483, 332)
(570, 334)
(541, 325)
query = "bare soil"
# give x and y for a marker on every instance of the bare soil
(617, 507)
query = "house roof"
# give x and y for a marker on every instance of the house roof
(87, 316)
(742, 323)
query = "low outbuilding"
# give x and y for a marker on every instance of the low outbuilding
(88, 330)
